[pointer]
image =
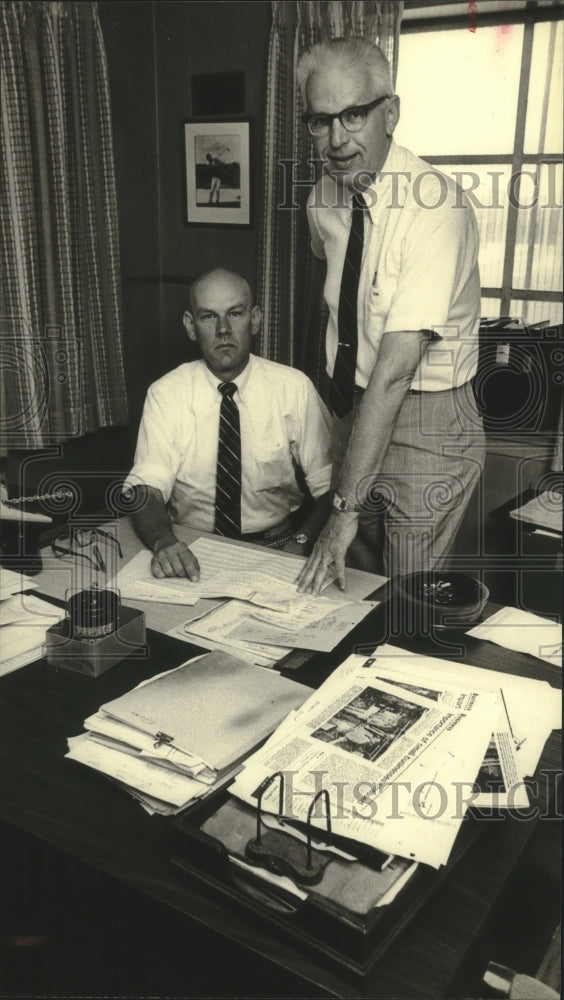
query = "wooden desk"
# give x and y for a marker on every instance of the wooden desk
(537, 562)
(59, 577)
(85, 815)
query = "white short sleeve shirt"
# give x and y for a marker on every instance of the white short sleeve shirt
(281, 415)
(419, 267)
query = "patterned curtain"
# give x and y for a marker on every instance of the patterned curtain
(60, 315)
(289, 335)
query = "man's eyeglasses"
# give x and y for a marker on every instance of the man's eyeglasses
(352, 119)
(71, 543)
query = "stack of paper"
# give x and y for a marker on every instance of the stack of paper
(523, 632)
(260, 576)
(265, 616)
(13, 583)
(179, 735)
(544, 511)
(24, 620)
(404, 744)
(315, 623)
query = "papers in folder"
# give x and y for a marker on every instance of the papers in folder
(405, 744)
(176, 737)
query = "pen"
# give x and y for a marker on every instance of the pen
(518, 743)
(98, 556)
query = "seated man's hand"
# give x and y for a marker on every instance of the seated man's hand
(175, 559)
(329, 550)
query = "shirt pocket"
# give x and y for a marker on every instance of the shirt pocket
(273, 468)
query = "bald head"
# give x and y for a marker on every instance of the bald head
(223, 321)
(218, 276)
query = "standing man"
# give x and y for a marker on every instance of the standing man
(400, 244)
(221, 438)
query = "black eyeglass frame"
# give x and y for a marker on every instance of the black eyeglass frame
(84, 537)
(308, 116)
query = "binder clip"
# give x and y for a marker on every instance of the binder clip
(280, 852)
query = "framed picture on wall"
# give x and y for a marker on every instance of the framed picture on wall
(217, 163)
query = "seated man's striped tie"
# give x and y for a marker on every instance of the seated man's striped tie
(228, 476)
(342, 382)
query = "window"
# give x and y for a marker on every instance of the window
(483, 101)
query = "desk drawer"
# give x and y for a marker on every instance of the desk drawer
(317, 925)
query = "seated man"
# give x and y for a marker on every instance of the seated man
(221, 439)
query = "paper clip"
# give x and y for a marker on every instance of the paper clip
(161, 739)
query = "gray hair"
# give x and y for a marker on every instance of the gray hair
(352, 50)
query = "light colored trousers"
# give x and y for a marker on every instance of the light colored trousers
(415, 504)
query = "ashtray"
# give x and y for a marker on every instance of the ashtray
(443, 599)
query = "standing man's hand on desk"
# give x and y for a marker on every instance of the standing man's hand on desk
(375, 415)
(154, 527)
(329, 550)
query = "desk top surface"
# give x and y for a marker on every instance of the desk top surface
(84, 814)
(61, 576)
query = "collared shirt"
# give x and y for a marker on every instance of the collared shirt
(419, 267)
(280, 414)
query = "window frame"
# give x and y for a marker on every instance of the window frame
(529, 17)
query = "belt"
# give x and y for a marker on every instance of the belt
(275, 537)
(439, 392)
(358, 390)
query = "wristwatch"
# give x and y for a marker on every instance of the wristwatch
(301, 538)
(341, 503)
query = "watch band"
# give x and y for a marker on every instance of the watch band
(341, 504)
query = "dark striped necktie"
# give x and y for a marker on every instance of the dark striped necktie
(342, 382)
(228, 475)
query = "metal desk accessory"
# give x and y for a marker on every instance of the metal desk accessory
(97, 632)
(280, 852)
(441, 599)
